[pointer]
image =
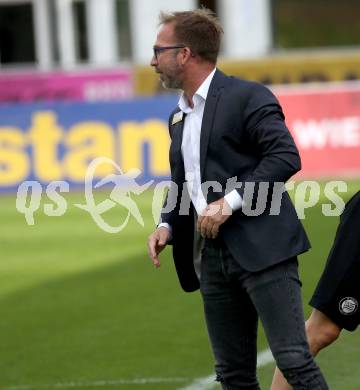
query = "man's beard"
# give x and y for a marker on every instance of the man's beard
(170, 82)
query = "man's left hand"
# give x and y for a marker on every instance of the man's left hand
(213, 217)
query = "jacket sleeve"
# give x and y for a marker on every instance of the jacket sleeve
(171, 195)
(265, 124)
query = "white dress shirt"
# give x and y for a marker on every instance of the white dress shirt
(190, 149)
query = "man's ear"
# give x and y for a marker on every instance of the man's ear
(186, 55)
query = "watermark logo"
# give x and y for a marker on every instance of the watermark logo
(256, 198)
(30, 193)
(124, 185)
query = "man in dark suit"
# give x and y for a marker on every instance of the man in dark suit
(229, 136)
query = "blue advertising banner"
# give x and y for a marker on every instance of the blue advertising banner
(48, 142)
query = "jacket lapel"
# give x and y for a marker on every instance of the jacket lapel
(176, 142)
(212, 99)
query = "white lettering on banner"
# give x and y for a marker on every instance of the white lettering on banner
(106, 90)
(327, 132)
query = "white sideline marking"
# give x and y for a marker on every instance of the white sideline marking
(208, 383)
(78, 384)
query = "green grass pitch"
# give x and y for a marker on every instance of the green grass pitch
(84, 309)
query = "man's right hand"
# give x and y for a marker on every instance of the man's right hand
(157, 241)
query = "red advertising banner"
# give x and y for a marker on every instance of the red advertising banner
(88, 86)
(325, 123)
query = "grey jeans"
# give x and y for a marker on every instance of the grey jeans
(234, 299)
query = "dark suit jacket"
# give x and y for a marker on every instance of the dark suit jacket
(243, 135)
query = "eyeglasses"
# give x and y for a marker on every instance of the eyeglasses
(158, 49)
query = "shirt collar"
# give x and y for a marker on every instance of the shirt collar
(200, 94)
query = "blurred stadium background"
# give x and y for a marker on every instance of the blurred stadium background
(81, 308)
